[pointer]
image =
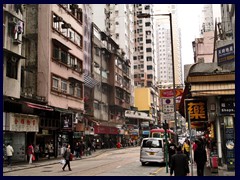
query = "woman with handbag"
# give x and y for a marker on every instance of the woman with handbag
(67, 156)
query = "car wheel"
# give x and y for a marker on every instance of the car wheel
(143, 163)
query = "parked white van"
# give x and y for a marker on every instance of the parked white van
(152, 150)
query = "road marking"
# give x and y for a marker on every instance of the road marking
(155, 172)
(118, 166)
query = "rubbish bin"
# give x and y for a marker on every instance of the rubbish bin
(214, 164)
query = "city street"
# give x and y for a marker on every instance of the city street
(118, 162)
(111, 162)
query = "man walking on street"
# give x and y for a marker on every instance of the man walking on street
(9, 152)
(200, 157)
(179, 163)
(171, 150)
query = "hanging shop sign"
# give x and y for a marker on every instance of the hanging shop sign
(227, 104)
(105, 130)
(225, 54)
(67, 119)
(230, 148)
(197, 109)
(22, 122)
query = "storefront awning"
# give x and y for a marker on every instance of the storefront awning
(39, 106)
(212, 89)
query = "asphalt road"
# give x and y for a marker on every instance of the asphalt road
(119, 162)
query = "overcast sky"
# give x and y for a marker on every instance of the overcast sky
(189, 22)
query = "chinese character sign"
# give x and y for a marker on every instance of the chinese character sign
(197, 110)
(23, 122)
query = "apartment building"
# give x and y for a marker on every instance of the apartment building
(117, 21)
(144, 61)
(163, 44)
(15, 123)
(111, 96)
(49, 80)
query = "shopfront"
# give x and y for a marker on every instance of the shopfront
(16, 130)
(108, 134)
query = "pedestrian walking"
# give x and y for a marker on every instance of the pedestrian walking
(30, 153)
(67, 157)
(186, 148)
(179, 164)
(172, 147)
(76, 150)
(200, 157)
(9, 152)
(37, 151)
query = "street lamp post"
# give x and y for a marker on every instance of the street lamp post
(146, 15)
(165, 127)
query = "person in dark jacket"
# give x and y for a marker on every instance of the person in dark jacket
(171, 150)
(200, 157)
(66, 156)
(179, 163)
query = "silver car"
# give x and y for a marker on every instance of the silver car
(152, 150)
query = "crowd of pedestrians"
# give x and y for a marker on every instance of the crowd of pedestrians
(179, 157)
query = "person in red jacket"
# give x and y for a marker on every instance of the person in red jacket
(30, 153)
(119, 145)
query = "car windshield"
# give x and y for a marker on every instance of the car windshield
(152, 143)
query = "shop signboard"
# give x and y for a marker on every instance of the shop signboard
(23, 122)
(227, 104)
(67, 119)
(230, 148)
(105, 130)
(197, 109)
(145, 132)
(225, 54)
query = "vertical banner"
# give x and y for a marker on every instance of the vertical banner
(230, 148)
(66, 121)
(196, 109)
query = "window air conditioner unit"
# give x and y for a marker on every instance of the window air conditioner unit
(58, 19)
(66, 26)
(74, 6)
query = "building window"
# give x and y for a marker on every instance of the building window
(56, 52)
(149, 58)
(55, 82)
(97, 51)
(149, 49)
(12, 67)
(147, 24)
(64, 86)
(150, 76)
(147, 7)
(79, 90)
(64, 56)
(71, 89)
(149, 68)
(148, 41)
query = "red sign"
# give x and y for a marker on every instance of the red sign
(105, 130)
(166, 93)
